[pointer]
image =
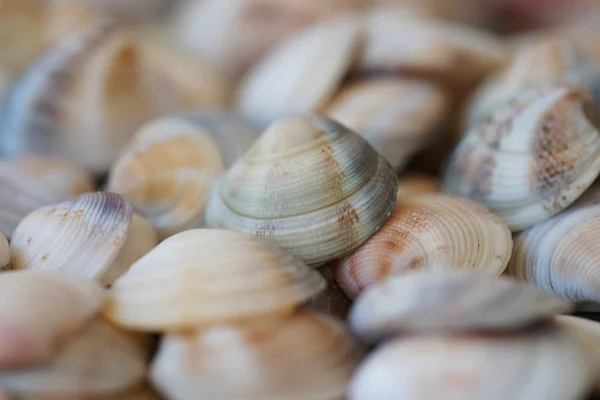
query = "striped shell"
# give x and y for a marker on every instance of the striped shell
(531, 158)
(308, 185)
(431, 231)
(207, 276)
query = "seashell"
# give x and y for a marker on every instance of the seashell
(561, 255)
(99, 360)
(449, 302)
(39, 311)
(431, 231)
(414, 183)
(530, 159)
(397, 117)
(176, 286)
(301, 73)
(308, 185)
(315, 358)
(95, 236)
(233, 34)
(81, 101)
(446, 52)
(170, 166)
(29, 182)
(541, 59)
(491, 367)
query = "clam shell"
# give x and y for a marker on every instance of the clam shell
(414, 183)
(30, 182)
(315, 358)
(431, 231)
(81, 101)
(308, 185)
(397, 117)
(561, 255)
(39, 311)
(531, 158)
(88, 236)
(301, 73)
(206, 276)
(99, 360)
(452, 54)
(170, 166)
(476, 367)
(449, 302)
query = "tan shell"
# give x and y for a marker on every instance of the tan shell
(531, 158)
(476, 367)
(170, 166)
(39, 311)
(301, 73)
(397, 117)
(452, 54)
(449, 302)
(308, 185)
(206, 276)
(100, 359)
(93, 236)
(561, 255)
(414, 183)
(304, 356)
(432, 231)
(30, 182)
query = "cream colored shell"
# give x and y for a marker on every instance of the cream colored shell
(95, 236)
(308, 185)
(432, 231)
(531, 158)
(170, 166)
(449, 302)
(207, 276)
(303, 356)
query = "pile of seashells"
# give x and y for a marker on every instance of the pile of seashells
(296, 200)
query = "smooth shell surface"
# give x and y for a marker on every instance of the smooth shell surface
(304, 356)
(449, 301)
(531, 158)
(301, 73)
(30, 182)
(39, 311)
(543, 364)
(308, 185)
(100, 359)
(397, 117)
(207, 276)
(562, 255)
(431, 231)
(81, 236)
(171, 164)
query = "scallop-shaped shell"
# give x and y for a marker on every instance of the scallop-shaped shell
(171, 164)
(546, 363)
(562, 255)
(397, 117)
(309, 185)
(538, 60)
(301, 73)
(30, 182)
(206, 276)
(449, 301)
(39, 310)
(452, 54)
(81, 101)
(94, 236)
(414, 183)
(303, 356)
(100, 359)
(531, 158)
(432, 231)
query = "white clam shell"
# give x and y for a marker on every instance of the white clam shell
(449, 302)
